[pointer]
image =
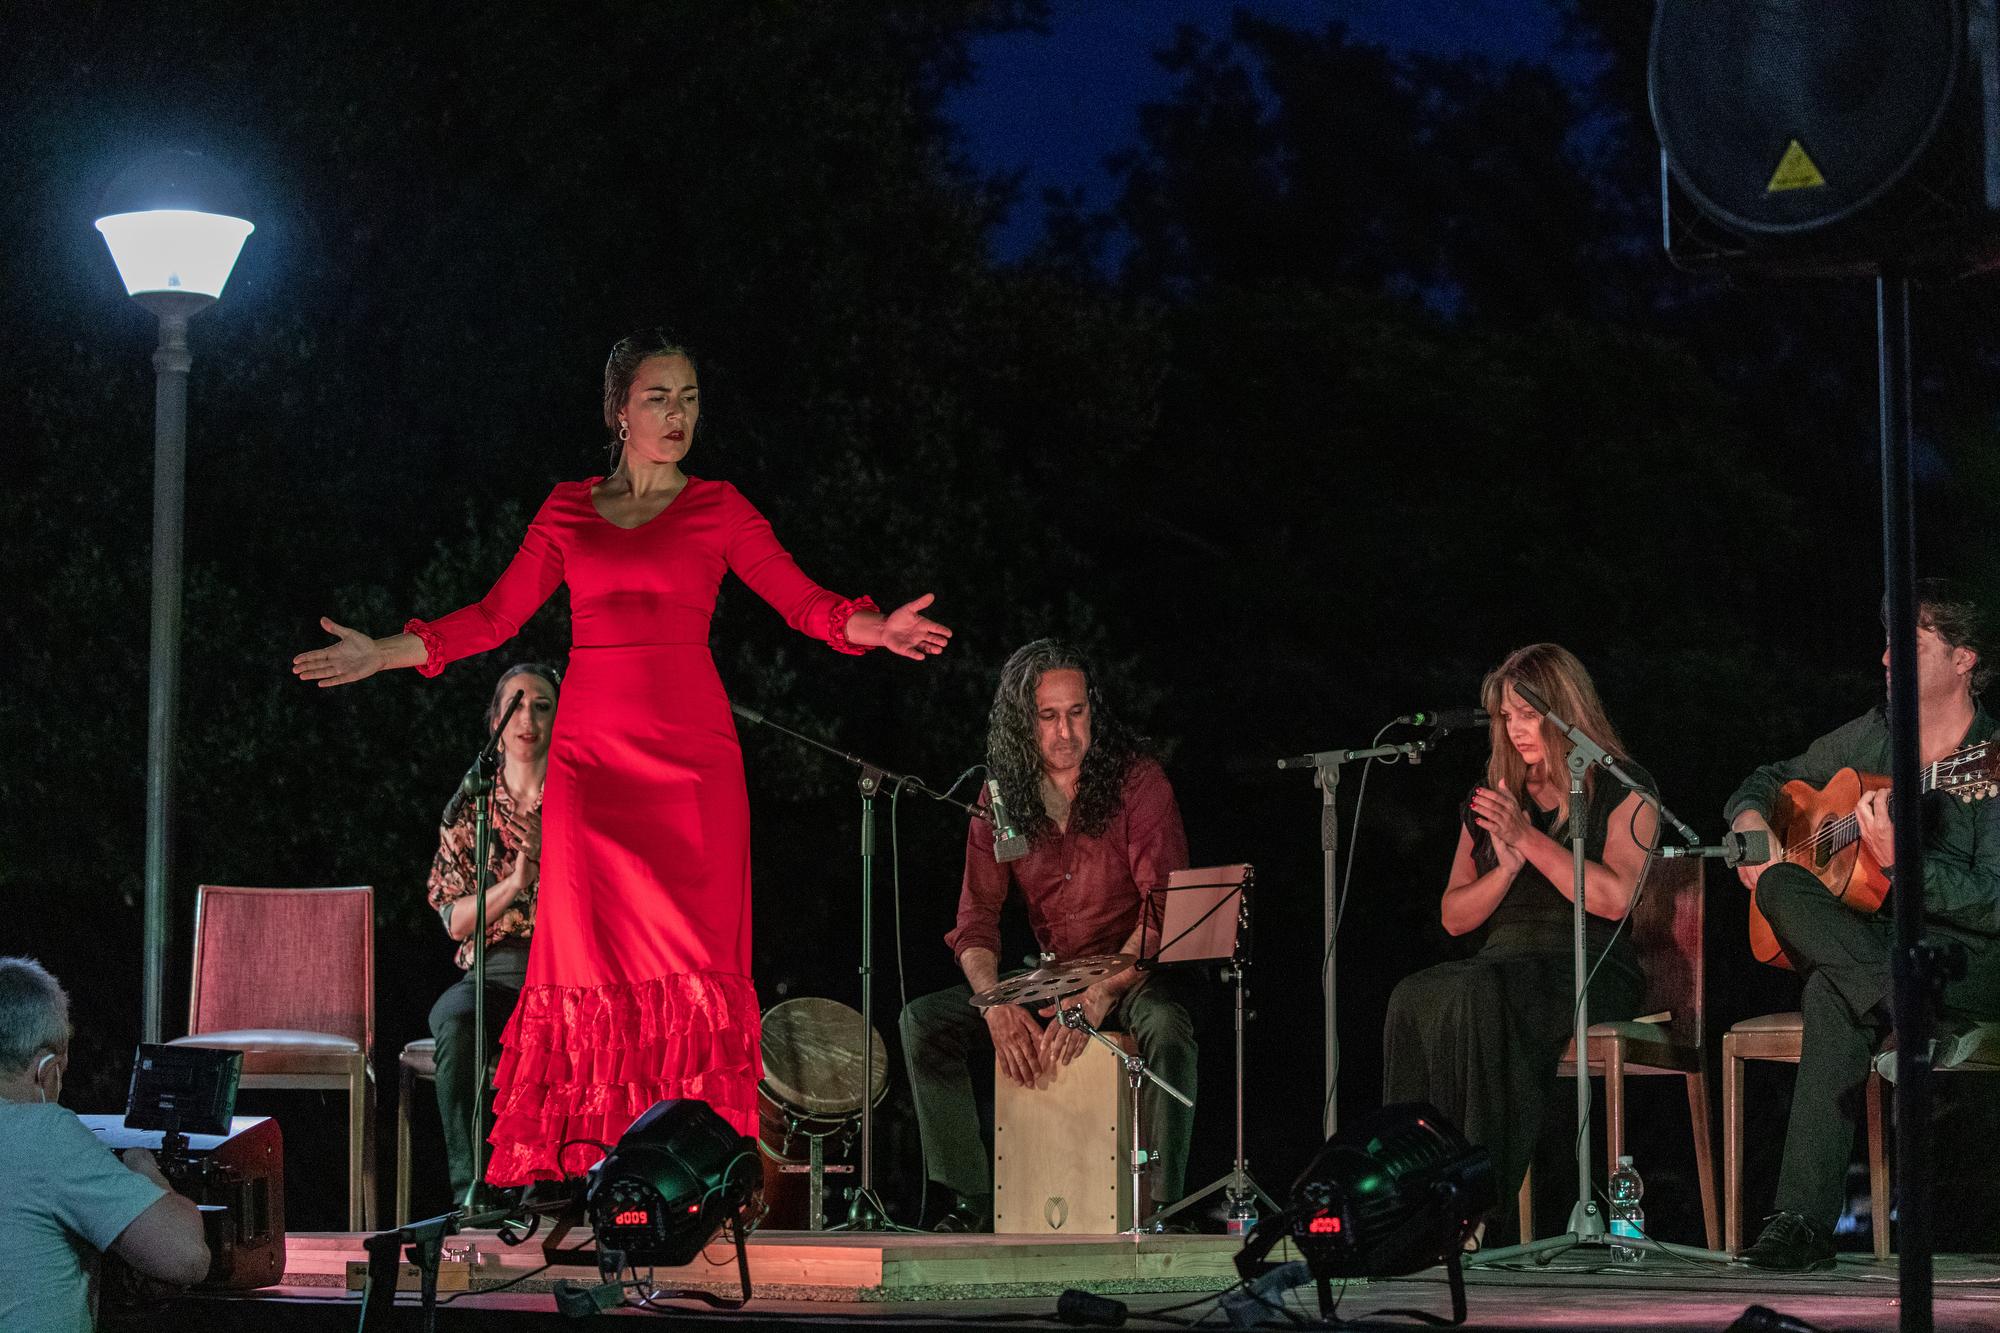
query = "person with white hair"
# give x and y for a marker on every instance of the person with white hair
(64, 1197)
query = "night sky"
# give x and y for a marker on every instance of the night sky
(1054, 104)
(1362, 369)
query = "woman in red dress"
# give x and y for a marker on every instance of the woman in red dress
(638, 984)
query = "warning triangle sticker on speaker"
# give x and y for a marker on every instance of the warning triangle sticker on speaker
(1796, 171)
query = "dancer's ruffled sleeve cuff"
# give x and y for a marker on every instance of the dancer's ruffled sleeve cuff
(836, 624)
(433, 647)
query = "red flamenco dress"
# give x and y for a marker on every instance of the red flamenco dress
(638, 981)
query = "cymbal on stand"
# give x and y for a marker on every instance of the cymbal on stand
(1054, 981)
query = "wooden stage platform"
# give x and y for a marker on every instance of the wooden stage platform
(805, 1280)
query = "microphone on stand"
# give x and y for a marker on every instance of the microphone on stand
(1447, 719)
(459, 797)
(1008, 843)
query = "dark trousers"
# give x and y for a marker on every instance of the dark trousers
(943, 1034)
(458, 1063)
(1843, 957)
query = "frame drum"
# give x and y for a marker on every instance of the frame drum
(811, 1089)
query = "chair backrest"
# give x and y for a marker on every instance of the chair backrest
(1666, 932)
(298, 959)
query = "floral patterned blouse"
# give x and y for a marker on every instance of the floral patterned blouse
(452, 872)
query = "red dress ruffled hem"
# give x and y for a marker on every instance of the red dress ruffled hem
(580, 1064)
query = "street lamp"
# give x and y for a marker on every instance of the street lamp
(170, 222)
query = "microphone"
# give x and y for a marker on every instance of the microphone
(1748, 847)
(1447, 719)
(1008, 844)
(465, 784)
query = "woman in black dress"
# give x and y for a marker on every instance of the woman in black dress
(1479, 1038)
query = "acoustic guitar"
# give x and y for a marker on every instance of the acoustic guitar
(1818, 829)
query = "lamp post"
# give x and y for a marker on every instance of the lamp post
(174, 249)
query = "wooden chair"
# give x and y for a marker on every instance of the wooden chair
(418, 1061)
(1780, 1037)
(287, 976)
(1666, 933)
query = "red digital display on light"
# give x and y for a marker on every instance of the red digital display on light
(1323, 1226)
(632, 1217)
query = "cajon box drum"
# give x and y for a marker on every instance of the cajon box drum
(1061, 1151)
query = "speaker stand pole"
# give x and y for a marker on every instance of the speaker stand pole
(1912, 967)
(1327, 778)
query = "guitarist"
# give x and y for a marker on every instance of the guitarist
(1842, 954)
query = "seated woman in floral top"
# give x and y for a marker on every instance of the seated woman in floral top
(514, 857)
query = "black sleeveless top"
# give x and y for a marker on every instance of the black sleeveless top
(1535, 914)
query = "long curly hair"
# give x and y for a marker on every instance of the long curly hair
(1014, 758)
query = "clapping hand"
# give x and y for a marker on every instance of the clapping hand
(909, 633)
(1503, 819)
(526, 828)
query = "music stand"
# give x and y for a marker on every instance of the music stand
(1204, 917)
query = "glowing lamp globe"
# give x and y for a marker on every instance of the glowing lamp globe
(173, 224)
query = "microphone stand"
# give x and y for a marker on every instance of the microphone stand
(477, 786)
(1586, 1222)
(865, 1211)
(1326, 765)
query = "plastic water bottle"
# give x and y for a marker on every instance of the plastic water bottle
(1628, 1219)
(1242, 1215)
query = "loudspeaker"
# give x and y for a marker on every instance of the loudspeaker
(1829, 137)
(238, 1178)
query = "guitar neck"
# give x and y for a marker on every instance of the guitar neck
(1845, 830)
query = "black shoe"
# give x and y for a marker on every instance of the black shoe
(966, 1216)
(1790, 1243)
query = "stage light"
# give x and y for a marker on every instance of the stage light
(1393, 1193)
(677, 1176)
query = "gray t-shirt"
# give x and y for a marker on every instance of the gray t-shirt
(64, 1198)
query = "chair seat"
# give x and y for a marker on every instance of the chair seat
(1962, 1044)
(1648, 1046)
(1772, 1023)
(283, 1050)
(420, 1058)
(271, 1039)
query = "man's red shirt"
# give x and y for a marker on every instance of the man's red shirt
(1083, 892)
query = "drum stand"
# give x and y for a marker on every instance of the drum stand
(1137, 1074)
(816, 1169)
(865, 1211)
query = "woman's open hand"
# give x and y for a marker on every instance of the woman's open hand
(909, 633)
(350, 657)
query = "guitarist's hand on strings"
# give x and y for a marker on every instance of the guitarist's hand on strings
(1878, 832)
(1751, 821)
